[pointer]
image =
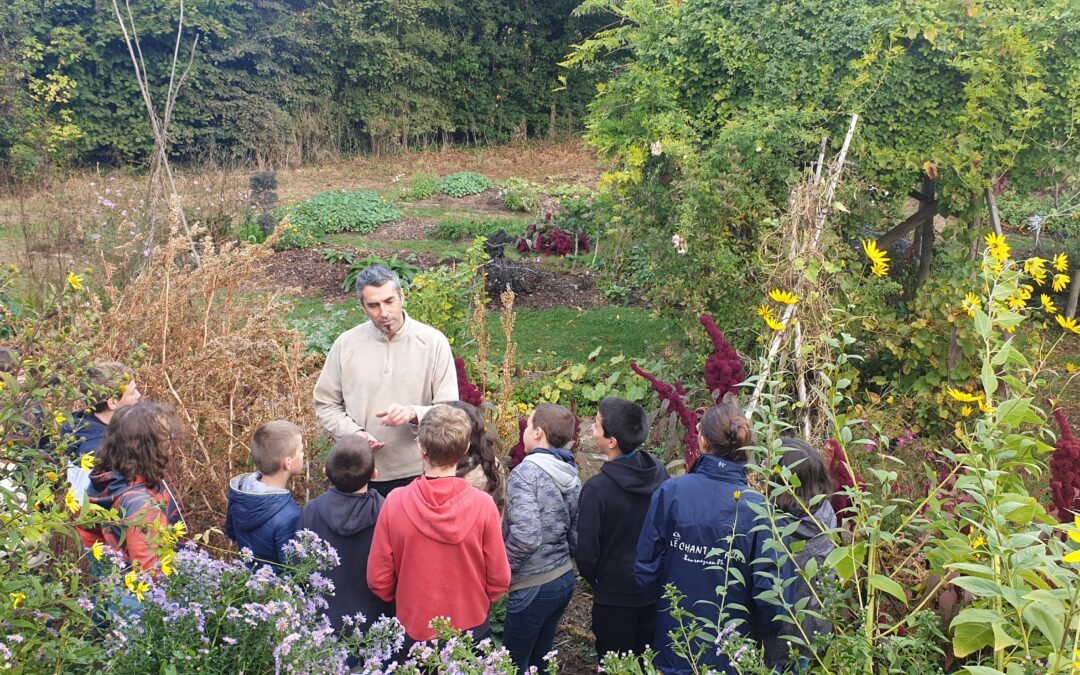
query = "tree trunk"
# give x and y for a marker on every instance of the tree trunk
(927, 210)
(926, 253)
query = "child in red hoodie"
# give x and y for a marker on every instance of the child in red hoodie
(438, 546)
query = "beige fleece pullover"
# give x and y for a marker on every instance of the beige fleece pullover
(365, 373)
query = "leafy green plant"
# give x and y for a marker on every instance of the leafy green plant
(334, 256)
(358, 211)
(442, 297)
(251, 232)
(422, 185)
(454, 228)
(405, 270)
(519, 194)
(571, 190)
(463, 184)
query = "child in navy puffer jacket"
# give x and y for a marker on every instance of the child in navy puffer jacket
(261, 515)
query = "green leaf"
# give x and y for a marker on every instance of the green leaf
(980, 588)
(982, 670)
(887, 585)
(969, 638)
(1048, 618)
(989, 379)
(982, 324)
(1001, 638)
(977, 615)
(1018, 508)
(1013, 412)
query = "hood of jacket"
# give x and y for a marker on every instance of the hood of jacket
(810, 529)
(348, 513)
(724, 470)
(638, 473)
(107, 488)
(444, 509)
(87, 431)
(561, 469)
(111, 490)
(254, 502)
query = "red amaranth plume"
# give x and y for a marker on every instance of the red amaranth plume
(517, 453)
(674, 397)
(724, 369)
(1065, 471)
(842, 475)
(467, 391)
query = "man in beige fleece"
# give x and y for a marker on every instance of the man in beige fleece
(382, 376)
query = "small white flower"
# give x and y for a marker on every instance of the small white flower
(655, 148)
(680, 244)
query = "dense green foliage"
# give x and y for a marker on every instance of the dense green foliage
(343, 211)
(723, 105)
(463, 184)
(284, 80)
(454, 228)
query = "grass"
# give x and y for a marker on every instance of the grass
(559, 334)
(544, 337)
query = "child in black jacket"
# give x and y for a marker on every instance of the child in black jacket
(345, 517)
(612, 509)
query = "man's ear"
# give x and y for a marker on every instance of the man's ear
(374, 474)
(113, 403)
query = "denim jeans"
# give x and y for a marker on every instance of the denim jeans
(532, 619)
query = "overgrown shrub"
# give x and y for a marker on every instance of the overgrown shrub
(463, 184)
(220, 352)
(442, 297)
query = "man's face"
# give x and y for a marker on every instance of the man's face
(382, 304)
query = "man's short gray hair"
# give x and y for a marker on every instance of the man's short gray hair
(376, 275)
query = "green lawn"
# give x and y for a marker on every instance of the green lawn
(544, 337)
(560, 334)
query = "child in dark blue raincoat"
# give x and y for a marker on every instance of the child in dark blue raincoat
(690, 517)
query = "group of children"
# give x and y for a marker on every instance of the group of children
(441, 547)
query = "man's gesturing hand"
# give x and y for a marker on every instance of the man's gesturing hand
(371, 440)
(396, 415)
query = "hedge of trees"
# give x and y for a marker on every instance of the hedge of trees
(285, 80)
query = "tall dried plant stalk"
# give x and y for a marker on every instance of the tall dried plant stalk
(162, 181)
(507, 419)
(217, 349)
(797, 350)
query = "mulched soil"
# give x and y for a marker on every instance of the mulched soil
(306, 273)
(408, 227)
(558, 287)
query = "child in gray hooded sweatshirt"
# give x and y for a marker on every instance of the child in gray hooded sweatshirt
(540, 530)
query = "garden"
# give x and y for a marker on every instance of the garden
(859, 220)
